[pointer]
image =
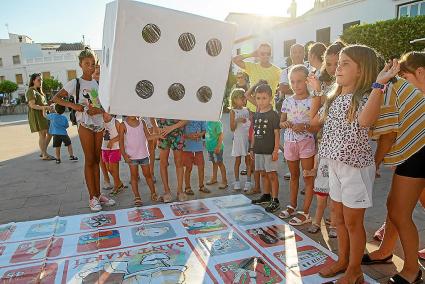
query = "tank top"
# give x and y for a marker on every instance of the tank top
(135, 142)
(242, 128)
(111, 132)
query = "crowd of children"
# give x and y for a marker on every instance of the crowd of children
(326, 122)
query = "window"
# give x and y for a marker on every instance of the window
(16, 59)
(72, 74)
(46, 75)
(287, 47)
(2, 78)
(19, 79)
(323, 35)
(350, 24)
(1, 62)
(238, 51)
(412, 9)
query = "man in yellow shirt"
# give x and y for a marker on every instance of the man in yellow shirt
(263, 70)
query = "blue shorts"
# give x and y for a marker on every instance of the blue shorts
(215, 158)
(142, 162)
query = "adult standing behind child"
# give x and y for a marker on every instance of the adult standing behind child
(58, 125)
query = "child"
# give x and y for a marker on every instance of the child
(265, 146)
(152, 127)
(299, 145)
(194, 131)
(90, 125)
(57, 128)
(239, 125)
(111, 154)
(171, 138)
(348, 114)
(214, 143)
(133, 142)
(321, 87)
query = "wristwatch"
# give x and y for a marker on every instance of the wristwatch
(377, 85)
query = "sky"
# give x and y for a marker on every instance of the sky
(69, 20)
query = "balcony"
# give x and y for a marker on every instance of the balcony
(51, 59)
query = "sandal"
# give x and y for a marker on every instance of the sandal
(48, 158)
(211, 182)
(118, 190)
(252, 192)
(203, 189)
(223, 186)
(288, 212)
(156, 198)
(297, 221)
(332, 232)
(181, 196)
(189, 191)
(314, 228)
(398, 279)
(73, 158)
(243, 173)
(138, 202)
(167, 198)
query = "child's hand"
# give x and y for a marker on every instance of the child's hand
(166, 130)
(127, 158)
(217, 149)
(314, 82)
(298, 127)
(251, 154)
(78, 107)
(286, 124)
(241, 120)
(110, 144)
(390, 70)
(310, 173)
(275, 155)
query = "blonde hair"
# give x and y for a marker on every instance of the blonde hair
(86, 53)
(236, 93)
(367, 61)
(411, 61)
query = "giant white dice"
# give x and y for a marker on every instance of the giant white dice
(158, 62)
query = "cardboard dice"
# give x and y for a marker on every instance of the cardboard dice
(158, 62)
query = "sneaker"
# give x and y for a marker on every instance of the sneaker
(107, 186)
(237, 185)
(106, 201)
(287, 176)
(379, 234)
(95, 204)
(264, 199)
(58, 161)
(273, 206)
(73, 158)
(247, 187)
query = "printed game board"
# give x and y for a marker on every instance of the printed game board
(215, 240)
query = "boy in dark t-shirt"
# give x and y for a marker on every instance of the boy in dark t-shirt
(265, 146)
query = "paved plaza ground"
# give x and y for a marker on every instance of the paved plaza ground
(33, 189)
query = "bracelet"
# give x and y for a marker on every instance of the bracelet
(317, 94)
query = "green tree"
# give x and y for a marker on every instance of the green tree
(8, 87)
(391, 38)
(51, 85)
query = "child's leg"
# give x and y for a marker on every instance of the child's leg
(91, 142)
(58, 153)
(201, 168)
(187, 174)
(266, 182)
(148, 176)
(71, 151)
(320, 209)
(214, 172)
(248, 167)
(106, 179)
(343, 243)
(353, 220)
(115, 172)
(274, 184)
(134, 177)
(222, 172)
(163, 162)
(294, 169)
(151, 145)
(308, 164)
(236, 167)
(178, 161)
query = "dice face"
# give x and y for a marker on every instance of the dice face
(163, 63)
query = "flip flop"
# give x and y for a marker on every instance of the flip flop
(223, 186)
(189, 191)
(211, 182)
(117, 191)
(203, 189)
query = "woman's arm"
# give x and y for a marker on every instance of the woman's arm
(59, 99)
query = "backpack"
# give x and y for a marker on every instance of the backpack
(72, 116)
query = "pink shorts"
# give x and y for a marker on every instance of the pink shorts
(304, 149)
(111, 156)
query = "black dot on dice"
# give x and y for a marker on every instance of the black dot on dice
(176, 91)
(213, 47)
(144, 89)
(187, 41)
(151, 33)
(204, 94)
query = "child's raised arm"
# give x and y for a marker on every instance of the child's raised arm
(249, 97)
(233, 122)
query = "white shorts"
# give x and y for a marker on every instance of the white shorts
(321, 182)
(351, 186)
(265, 163)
